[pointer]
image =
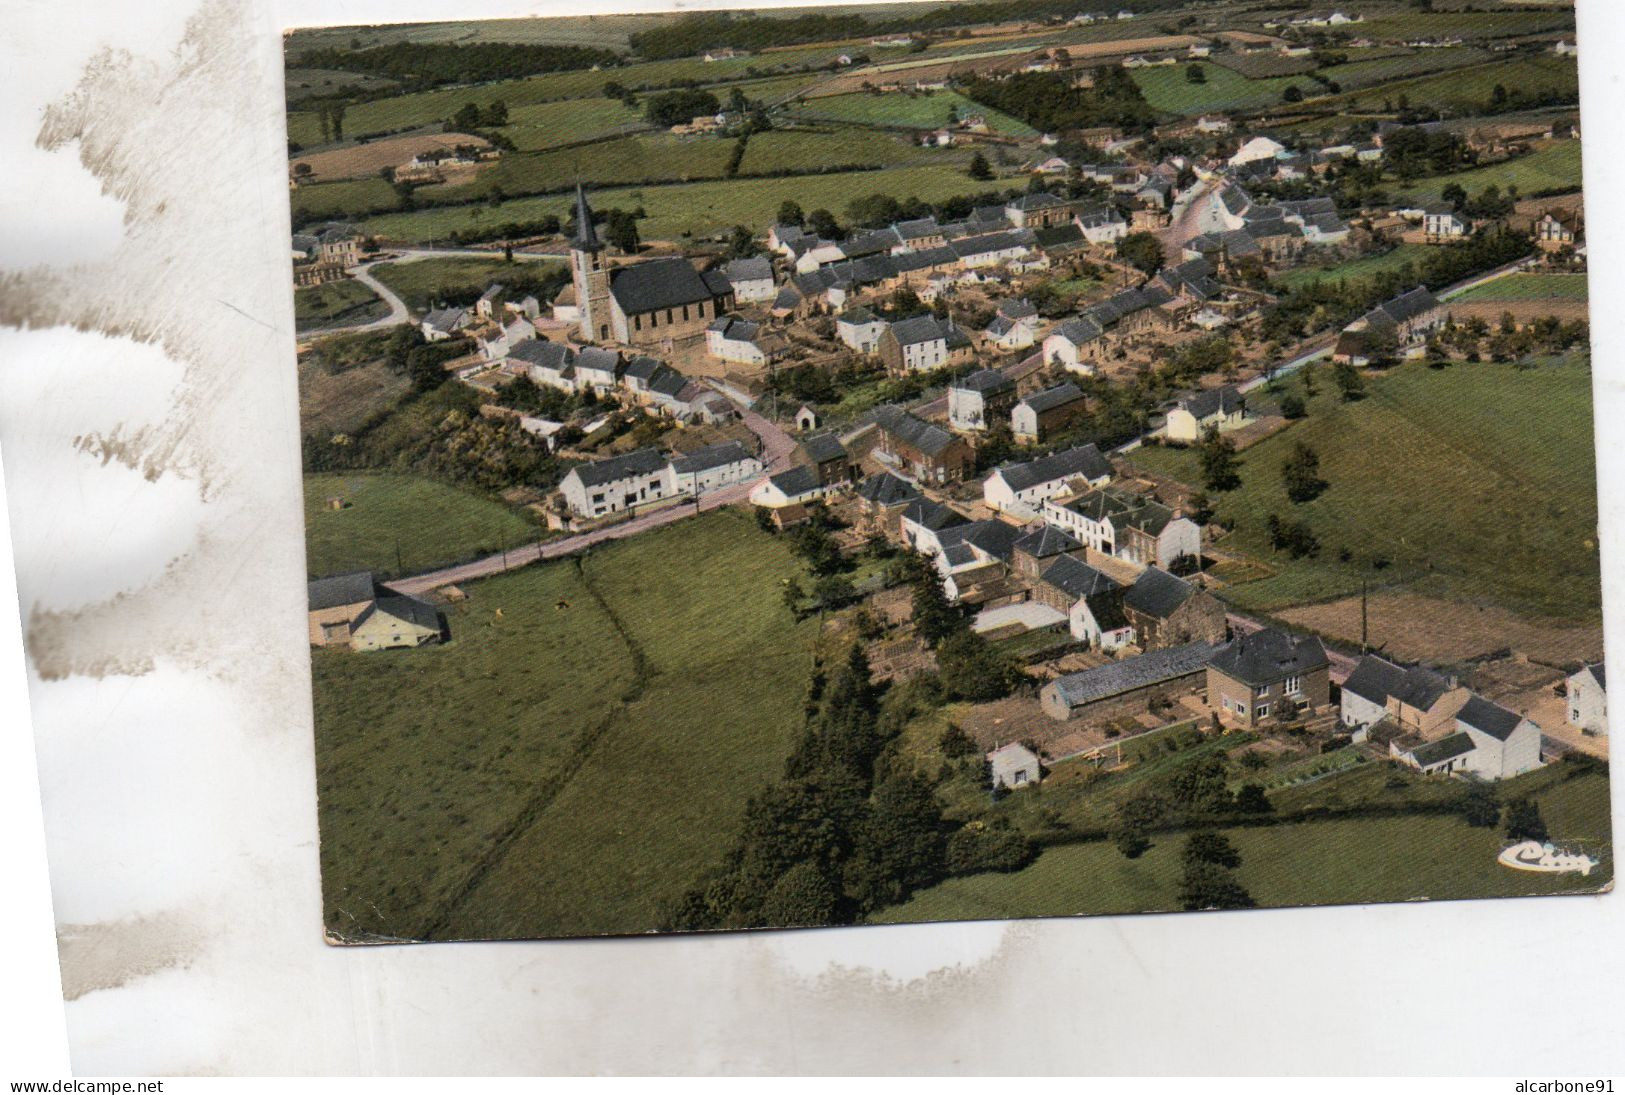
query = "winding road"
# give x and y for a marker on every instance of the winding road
(398, 311)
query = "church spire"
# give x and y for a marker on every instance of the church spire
(586, 235)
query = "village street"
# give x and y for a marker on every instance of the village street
(778, 448)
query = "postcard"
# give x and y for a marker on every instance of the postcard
(952, 461)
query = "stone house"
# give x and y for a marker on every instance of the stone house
(1416, 699)
(1129, 686)
(919, 450)
(1047, 410)
(1014, 765)
(1255, 677)
(977, 400)
(1021, 489)
(1166, 611)
(357, 611)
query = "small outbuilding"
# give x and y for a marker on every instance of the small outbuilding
(1014, 765)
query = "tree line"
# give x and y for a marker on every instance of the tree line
(417, 66)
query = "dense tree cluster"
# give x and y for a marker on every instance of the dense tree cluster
(679, 106)
(1051, 102)
(419, 65)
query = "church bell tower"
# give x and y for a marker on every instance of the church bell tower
(591, 275)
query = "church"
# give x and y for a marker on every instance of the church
(647, 304)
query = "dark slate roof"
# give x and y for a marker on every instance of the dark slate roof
(1226, 400)
(535, 351)
(1095, 216)
(668, 381)
(1017, 308)
(915, 432)
(869, 243)
(917, 229)
(639, 462)
(643, 368)
(1084, 461)
(1147, 670)
(988, 215)
(1437, 752)
(1037, 199)
(800, 479)
(917, 329)
(1421, 688)
(886, 489)
(1374, 679)
(711, 456)
(1079, 330)
(858, 315)
(1076, 578)
(664, 283)
(1158, 594)
(932, 515)
(1050, 398)
(1490, 718)
(789, 296)
(1046, 541)
(757, 268)
(1059, 237)
(445, 319)
(822, 447)
(735, 329)
(342, 589)
(586, 235)
(996, 538)
(1266, 656)
(984, 381)
(992, 242)
(1599, 674)
(598, 359)
(1410, 304)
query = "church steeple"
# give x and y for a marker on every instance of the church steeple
(586, 235)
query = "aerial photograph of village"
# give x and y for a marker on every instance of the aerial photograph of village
(943, 461)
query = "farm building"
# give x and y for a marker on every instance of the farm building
(1129, 685)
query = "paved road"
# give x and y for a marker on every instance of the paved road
(777, 450)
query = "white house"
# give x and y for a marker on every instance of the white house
(619, 483)
(788, 487)
(1222, 409)
(1021, 489)
(730, 338)
(1014, 327)
(1074, 345)
(1014, 765)
(1127, 526)
(1094, 603)
(1489, 741)
(1101, 224)
(443, 323)
(1440, 221)
(712, 467)
(1259, 148)
(860, 329)
(1587, 693)
(752, 279)
(976, 400)
(597, 369)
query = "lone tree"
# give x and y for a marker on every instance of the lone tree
(1141, 250)
(790, 213)
(1349, 382)
(1210, 886)
(1195, 74)
(1219, 463)
(1206, 846)
(979, 167)
(1523, 821)
(1301, 474)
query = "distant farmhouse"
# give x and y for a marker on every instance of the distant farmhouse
(359, 612)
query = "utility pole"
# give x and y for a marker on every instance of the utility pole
(1364, 633)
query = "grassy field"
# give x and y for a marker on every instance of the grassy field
(1554, 166)
(1366, 68)
(335, 304)
(544, 125)
(1469, 26)
(1355, 269)
(1306, 863)
(1528, 287)
(401, 524)
(566, 765)
(914, 110)
(701, 208)
(421, 282)
(1472, 87)
(1166, 88)
(1475, 482)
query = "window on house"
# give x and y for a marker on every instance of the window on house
(1292, 686)
(1262, 711)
